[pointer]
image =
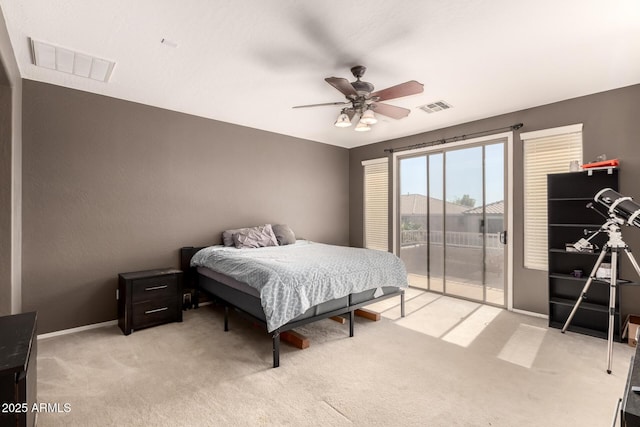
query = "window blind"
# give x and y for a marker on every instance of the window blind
(545, 152)
(376, 204)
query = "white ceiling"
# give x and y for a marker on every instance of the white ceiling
(249, 61)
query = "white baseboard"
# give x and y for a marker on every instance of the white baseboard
(531, 313)
(88, 327)
(78, 329)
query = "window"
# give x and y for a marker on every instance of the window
(545, 151)
(376, 204)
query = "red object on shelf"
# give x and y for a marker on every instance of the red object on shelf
(602, 164)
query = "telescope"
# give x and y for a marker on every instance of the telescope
(621, 210)
(619, 206)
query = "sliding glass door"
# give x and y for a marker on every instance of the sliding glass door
(464, 223)
(451, 221)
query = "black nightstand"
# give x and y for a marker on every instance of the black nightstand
(149, 298)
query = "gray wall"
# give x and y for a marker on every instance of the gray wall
(111, 186)
(10, 178)
(610, 121)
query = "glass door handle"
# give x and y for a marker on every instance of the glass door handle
(503, 237)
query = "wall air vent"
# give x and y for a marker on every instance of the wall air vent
(434, 107)
(67, 61)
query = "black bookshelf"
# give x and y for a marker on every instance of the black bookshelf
(568, 216)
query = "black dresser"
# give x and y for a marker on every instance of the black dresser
(18, 355)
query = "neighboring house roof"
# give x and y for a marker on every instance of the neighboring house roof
(495, 208)
(416, 204)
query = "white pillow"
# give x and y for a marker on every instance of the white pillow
(255, 237)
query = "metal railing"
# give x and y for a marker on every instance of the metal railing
(452, 238)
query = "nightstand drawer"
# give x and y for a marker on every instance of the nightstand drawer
(149, 313)
(154, 288)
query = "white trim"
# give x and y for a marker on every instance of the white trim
(551, 132)
(508, 206)
(375, 161)
(394, 203)
(16, 193)
(78, 329)
(531, 313)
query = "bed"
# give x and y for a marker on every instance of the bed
(284, 287)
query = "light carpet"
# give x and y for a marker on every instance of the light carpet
(506, 369)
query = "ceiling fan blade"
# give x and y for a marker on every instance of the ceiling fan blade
(390, 110)
(321, 105)
(411, 87)
(342, 85)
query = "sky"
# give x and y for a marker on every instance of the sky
(463, 174)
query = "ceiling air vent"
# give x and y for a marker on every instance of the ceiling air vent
(67, 61)
(434, 107)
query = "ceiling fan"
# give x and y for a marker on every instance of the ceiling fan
(362, 100)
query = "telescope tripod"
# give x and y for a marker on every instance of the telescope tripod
(613, 246)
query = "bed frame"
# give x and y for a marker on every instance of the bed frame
(251, 305)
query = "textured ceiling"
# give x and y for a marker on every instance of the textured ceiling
(248, 62)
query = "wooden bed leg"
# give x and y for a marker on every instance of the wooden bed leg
(276, 348)
(295, 339)
(402, 304)
(351, 321)
(338, 319)
(368, 314)
(226, 318)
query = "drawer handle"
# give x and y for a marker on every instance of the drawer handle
(156, 310)
(155, 288)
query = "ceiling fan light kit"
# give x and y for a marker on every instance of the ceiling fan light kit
(343, 121)
(362, 127)
(368, 118)
(363, 101)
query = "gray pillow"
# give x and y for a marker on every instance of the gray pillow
(227, 236)
(255, 237)
(284, 234)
